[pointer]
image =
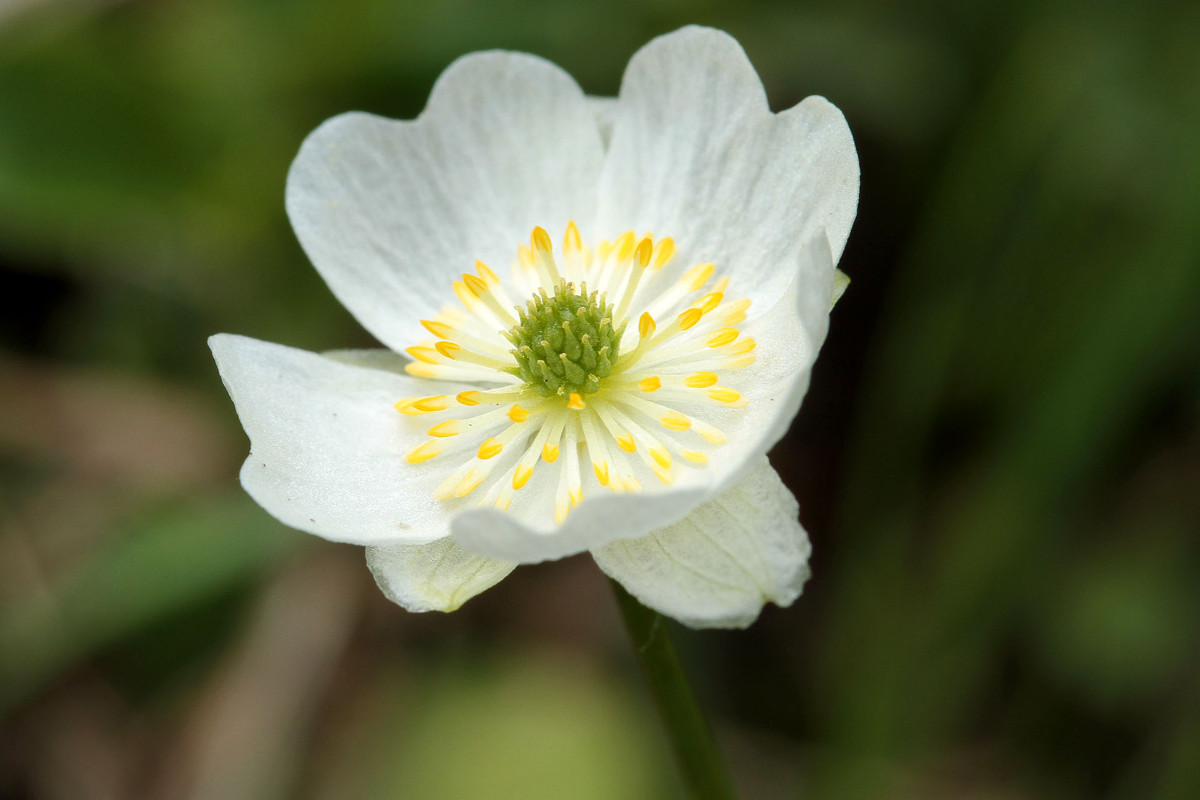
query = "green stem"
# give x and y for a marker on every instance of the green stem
(703, 768)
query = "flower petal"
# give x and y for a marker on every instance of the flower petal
(718, 567)
(390, 212)
(439, 576)
(327, 448)
(696, 154)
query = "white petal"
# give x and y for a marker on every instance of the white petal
(696, 154)
(718, 567)
(390, 212)
(439, 576)
(591, 524)
(327, 447)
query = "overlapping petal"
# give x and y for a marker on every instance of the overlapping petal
(439, 576)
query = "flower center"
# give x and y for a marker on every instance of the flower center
(564, 343)
(649, 405)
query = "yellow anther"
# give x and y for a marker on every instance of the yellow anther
(476, 284)
(675, 421)
(465, 296)
(518, 414)
(405, 406)
(575, 402)
(486, 273)
(745, 345)
(739, 362)
(697, 276)
(646, 324)
(664, 474)
(525, 255)
(695, 456)
(660, 454)
(626, 443)
(572, 243)
(469, 398)
(701, 380)
(438, 329)
(601, 470)
(421, 370)
(561, 509)
(521, 476)
(624, 246)
(576, 495)
(710, 301)
(663, 251)
(426, 354)
(711, 434)
(489, 449)
(427, 404)
(688, 318)
(651, 384)
(722, 336)
(540, 240)
(448, 349)
(423, 452)
(723, 394)
(631, 484)
(444, 429)
(643, 252)
(468, 484)
(549, 453)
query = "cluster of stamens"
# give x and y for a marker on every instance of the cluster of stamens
(557, 386)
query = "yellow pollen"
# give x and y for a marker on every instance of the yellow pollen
(423, 452)
(664, 251)
(422, 370)
(686, 320)
(651, 384)
(571, 241)
(722, 336)
(624, 246)
(438, 329)
(723, 394)
(697, 276)
(675, 421)
(626, 443)
(469, 398)
(469, 483)
(518, 414)
(425, 354)
(477, 285)
(631, 484)
(486, 273)
(465, 296)
(428, 404)
(444, 429)
(448, 349)
(701, 380)
(601, 470)
(525, 255)
(695, 456)
(521, 476)
(489, 449)
(643, 252)
(661, 455)
(575, 402)
(710, 301)
(646, 325)
(541, 240)
(549, 453)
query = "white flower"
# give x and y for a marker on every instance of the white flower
(532, 420)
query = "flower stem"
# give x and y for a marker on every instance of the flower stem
(703, 768)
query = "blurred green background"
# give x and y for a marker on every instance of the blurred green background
(998, 462)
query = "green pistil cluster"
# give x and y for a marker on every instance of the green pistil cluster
(565, 343)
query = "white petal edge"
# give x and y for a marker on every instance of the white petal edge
(391, 212)
(696, 154)
(327, 447)
(790, 335)
(720, 565)
(439, 576)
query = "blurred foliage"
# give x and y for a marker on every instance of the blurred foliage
(998, 460)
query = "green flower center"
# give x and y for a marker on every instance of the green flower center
(566, 343)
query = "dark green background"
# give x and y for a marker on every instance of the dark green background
(998, 462)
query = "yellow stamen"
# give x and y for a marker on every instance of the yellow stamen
(541, 240)
(575, 402)
(689, 318)
(651, 384)
(549, 453)
(661, 455)
(722, 336)
(701, 380)
(441, 330)
(448, 349)
(571, 240)
(710, 301)
(664, 474)
(444, 429)
(601, 470)
(469, 483)
(489, 449)
(643, 252)
(675, 421)
(426, 354)
(695, 456)
(423, 452)
(664, 251)
(486, 273)
(646, 325)
(518, 414)
(697, 276)
(469, 398)
(723, 394)
(626, 443)
(521, 476)
(428, 404)
(745, 345)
